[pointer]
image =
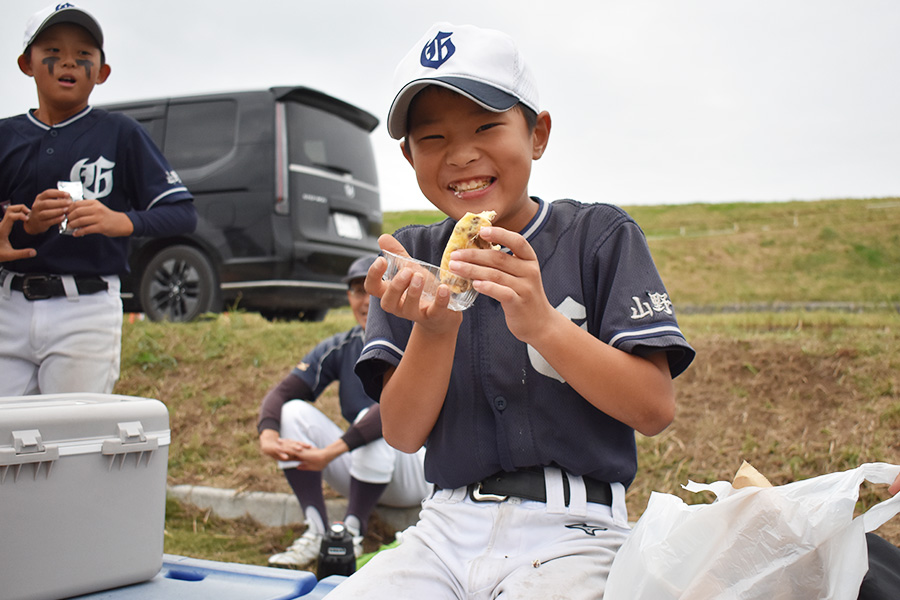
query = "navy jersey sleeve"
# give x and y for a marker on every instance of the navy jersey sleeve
(386, 337)
(633, 309)
(290, 388)
(320, 367)
(161, 204)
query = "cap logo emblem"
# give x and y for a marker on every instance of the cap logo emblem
(64, 5)
(437, 51)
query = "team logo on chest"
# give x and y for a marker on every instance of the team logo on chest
(97, 177)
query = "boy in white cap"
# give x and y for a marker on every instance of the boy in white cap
(528, 401)
(60, 309)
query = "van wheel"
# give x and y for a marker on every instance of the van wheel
(179, 284)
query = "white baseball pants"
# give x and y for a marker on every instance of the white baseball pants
(463, 549)
(375, 462)
(59, 345)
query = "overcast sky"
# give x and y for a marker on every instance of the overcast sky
(653, 101)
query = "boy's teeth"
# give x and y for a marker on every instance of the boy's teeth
(470, 186)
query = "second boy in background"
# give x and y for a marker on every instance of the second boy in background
(310, 447)
(528, 401)
(60, 310)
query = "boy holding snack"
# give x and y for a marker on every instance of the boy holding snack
(60, 310)
(528, 401)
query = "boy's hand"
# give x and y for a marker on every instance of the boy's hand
(16, 212)
(513, 280)
(316, 459)
(272, 444)
(402, 295)
(49, 209)
(92, 216)
(375, 285)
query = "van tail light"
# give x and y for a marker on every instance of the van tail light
(282, 204)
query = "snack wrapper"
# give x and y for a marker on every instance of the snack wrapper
(432, 274)
(76, 192)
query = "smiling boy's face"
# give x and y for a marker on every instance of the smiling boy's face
(66, 64)
(469, 159)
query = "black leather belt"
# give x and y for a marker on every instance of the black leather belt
(529, 485)
(38, 286)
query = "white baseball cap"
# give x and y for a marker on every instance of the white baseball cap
(63, 12)
(483, 65)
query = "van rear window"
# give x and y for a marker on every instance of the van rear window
(319, 139)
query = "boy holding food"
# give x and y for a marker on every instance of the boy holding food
(528, 401)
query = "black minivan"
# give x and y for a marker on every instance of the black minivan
(286, 190)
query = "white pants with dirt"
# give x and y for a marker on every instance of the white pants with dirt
(59, 345)
(513, 550)
(375, 462)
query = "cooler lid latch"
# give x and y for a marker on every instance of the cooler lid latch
(27, 448)
(131, 440)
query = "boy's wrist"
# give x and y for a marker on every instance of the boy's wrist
(124, 226)
(336, 448)
(547, 328)
(446, 333)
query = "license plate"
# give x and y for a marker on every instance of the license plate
(347, 226)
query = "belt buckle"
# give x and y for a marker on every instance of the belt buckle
(478, 496)
(27, 281)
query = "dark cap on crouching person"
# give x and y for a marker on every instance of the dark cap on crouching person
(359, 268)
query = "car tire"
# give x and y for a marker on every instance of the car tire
(179, 284)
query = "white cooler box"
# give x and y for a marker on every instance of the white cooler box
(82, 493)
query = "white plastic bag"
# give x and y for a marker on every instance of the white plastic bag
(791, 542)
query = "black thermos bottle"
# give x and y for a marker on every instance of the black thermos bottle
(336, 553)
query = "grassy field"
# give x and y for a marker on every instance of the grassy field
(722, 254)
(796, 392)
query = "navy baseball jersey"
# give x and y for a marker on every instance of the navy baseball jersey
(332, 360)
(506, 407)
(118, 164)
